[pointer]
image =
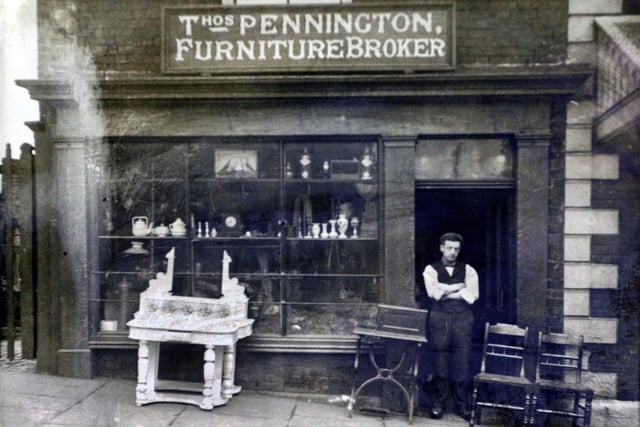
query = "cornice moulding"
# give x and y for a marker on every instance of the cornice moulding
(555, 81)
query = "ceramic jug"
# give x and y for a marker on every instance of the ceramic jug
(161, 230)
(178, 227)
(140, 226)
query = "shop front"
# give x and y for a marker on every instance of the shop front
(327, 181)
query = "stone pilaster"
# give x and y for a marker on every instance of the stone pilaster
(399, 219)
(532, 214)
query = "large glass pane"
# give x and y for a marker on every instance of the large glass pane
(325, 319)
(235, 207)
(231, 160)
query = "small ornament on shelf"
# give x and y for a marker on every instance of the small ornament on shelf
(206, 229)
(199, 229)
(355, 222)
(343, 225)
(326, 170)
(367, 163)
(305, 165)
(324, 234)
(333, 233)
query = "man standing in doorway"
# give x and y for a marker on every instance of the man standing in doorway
(452, 287)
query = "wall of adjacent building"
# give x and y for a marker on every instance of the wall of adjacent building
(594, 237)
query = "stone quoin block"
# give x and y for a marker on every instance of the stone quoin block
(591, 221)
(578, 193)
(577, 248)
(576, 302)
(581, 112)
(590, 276)
(587, 166)
(594, 7)
(578, 139)
(601, 331)
(580, 28)
(603, 385)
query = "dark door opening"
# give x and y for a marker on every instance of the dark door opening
(485, 218)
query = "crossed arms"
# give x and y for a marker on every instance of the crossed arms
(467, 291)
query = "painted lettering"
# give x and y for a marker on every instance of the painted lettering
(307, 37)
(372, 48)
(420, 21)
(403, 48)
(316, 49)
(335, 49)
(313, 22)
(276, 45)
(401, 22)
(291, 24)
(199, 55)
(362, 24)
(224, 50)
(268, 24)
(246, 49)
(439, 46)
(247, 22)
(187, 20)
(355, 47)
(183, 46)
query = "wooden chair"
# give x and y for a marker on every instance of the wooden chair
(502, 383)
(558, 378)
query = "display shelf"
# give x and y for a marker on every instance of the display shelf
(131, 237)
(244, 239)
(347, 240)
(239, 180)
(328, 181)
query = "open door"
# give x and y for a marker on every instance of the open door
(485, 218)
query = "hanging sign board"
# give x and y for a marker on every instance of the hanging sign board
(218, 39)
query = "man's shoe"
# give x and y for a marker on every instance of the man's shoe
(436, 412)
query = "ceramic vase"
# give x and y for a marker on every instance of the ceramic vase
(343, 225)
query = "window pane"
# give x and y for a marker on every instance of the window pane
(464, 159)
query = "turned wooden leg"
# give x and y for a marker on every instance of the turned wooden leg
(143, 368)
(527, 409)
(534, 407)
(209, 372)
(229, 372)
(473, 419)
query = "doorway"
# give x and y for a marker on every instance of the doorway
(485, 218)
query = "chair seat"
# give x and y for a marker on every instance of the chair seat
(560, 385)
(502, 379)
(502, 366)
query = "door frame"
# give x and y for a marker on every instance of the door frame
(531, 181)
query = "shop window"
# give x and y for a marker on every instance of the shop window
(298, 218)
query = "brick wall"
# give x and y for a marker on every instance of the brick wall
(596, 225)
(123, 37)
(326, 374)
(624, 251)
(315, 373)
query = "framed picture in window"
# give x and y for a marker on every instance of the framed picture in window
(230, 163)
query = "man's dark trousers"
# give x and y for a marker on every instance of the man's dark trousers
(450, 331)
